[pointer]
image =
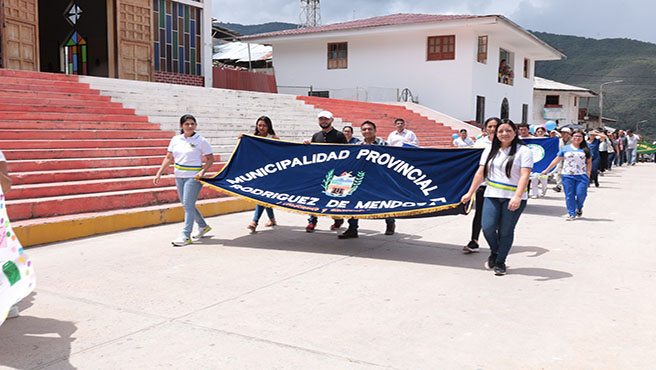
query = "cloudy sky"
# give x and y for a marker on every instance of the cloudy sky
(590, 18)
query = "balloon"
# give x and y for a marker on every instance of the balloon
(455, 136)
(550, 125)
(532, 128)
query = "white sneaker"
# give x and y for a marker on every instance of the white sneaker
(201, 233)
(534, 197)
(571, 218)
(13, 312)
(181, 241)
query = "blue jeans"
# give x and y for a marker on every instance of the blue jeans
(259, 210)
(353, 223)
(188, 190)
(499, 225)
(576, 190)
(631, 155)
(611, 159)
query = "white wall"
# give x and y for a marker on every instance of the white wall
(567, 100)
(398, 60)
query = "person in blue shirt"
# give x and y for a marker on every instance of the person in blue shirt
(348, 132)
(594, 139)
(577, 165)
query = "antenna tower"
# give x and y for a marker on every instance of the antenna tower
(310, 13)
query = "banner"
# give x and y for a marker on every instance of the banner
(544, 151)
(17, 277)
(644, 148)
(360, 181)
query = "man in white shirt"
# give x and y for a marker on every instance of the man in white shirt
(402, 135)
(631, 147)
(463, 141)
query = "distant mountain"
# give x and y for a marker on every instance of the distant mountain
(591, 62)
(258, 28)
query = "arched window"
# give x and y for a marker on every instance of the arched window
(75, 54)
(505, 109)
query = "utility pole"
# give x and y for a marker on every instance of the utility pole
(310, 13)
(638, 126)
(601, 101)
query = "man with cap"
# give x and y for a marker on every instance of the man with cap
(328, 134)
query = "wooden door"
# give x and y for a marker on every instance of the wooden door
(20, 34)
(134, 29)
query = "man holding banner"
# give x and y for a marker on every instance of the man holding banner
(368, 130)
(328, 134)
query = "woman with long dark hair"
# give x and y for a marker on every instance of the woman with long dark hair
(506, 166)
(577, 165)
(187, 151)
(263, 128)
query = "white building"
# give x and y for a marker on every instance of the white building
(555, 101)
(450, 62)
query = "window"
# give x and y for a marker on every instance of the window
(441, 48)
(321, 94)
(552, 101)
(480, 109)
(527, 65)
(482, 49)
(506, 73)
(337, 55)
(575, 100)
(524, 113)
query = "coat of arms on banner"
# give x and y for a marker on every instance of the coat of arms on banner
(342, 185)
(537, 151)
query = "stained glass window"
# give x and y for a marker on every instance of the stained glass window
(73, 14)
(75, 52)
(177, 37)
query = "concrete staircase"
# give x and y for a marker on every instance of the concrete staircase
(222, 114)
(430, 133)
(73, 154)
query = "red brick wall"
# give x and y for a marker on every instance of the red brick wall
(178, 79)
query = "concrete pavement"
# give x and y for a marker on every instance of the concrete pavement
(578, 295)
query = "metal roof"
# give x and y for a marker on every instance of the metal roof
(238, 51)
(544, 84)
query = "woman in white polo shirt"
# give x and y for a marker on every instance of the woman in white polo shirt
(186, 151)
(506, 165)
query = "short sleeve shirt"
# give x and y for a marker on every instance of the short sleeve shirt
(498, 184)
(594, 148)
(574, 161)
(188, 154)
(406, 136)
(467, 143)
(333, 136)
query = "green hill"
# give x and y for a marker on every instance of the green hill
(591, 62)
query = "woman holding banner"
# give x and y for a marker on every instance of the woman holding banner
(263, 128)
(506, 165)
(186, 151)
(577, 165)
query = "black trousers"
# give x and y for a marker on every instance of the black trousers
(478, 213)
(604, 161)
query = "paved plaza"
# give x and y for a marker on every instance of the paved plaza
(578, 295)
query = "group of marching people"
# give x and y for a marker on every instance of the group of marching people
(500, 185)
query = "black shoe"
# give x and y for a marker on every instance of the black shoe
(337, 224)
(500, 269)
(579, 213)
(348, 234)
(596, 184)
(390, 229)
(471, 247)
(491, 260)
(557, 188)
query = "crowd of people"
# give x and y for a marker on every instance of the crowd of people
(500, 188)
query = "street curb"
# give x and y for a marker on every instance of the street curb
(107, 222)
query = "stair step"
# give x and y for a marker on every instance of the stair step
(70, 125)
(41, 177)
(22, 209)
(8, 80)
(84, 134)
(78, 89)
(33, 165)
(60, 102)
(44, 108)
(79, 144)
(15, 154)
(38, 75)
(53, 95)
(44, 116)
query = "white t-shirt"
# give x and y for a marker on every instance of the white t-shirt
(483, 142)
(574, 161)
(188, 154)
(467, 143)
(498, 184)
(406, 136)
(632, 141)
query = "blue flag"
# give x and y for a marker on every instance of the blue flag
(544, 151)
(361, 181)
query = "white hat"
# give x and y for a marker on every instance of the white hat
(566, 129)
(325, 114)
